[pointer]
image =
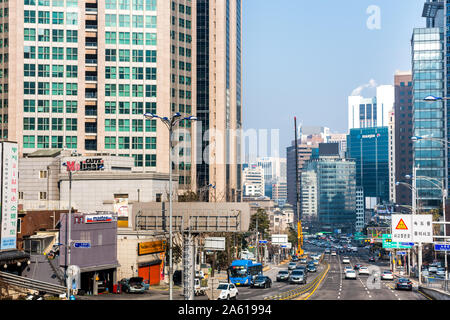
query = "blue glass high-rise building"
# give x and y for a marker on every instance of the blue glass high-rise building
(430, 118)
(369, 147)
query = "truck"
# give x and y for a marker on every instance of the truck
(200, 286)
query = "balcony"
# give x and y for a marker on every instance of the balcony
(91, 44)
(91, 78)
(91, 61)
(91, 95)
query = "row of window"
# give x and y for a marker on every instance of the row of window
(137, 90)
(123, 125)
(126, 21)
(44, 53)
(29, 34)
(182, 23)
(136, 55)
(137, 143)
(43, 142)
(57, 106)
(137, 38)
(43, 70)
(184, 52)
(43, 88)
(44, 17)
(54, 3)
(124, 107)
(148, 5)
(181, 36)
(137, 73)
(43, 124)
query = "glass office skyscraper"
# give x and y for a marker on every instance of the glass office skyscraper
(369, 147)
(429, 119)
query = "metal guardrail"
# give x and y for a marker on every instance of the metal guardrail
(32, 284)
(436, 283)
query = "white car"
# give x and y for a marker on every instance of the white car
(346, 260)
(387, 275)
(227, 291)
(350, 274)
(363, 270)
(347, 268)
(440, 272)
(432, 269)
(333, 253)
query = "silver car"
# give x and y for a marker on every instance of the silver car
(297, 276)
(292, 265)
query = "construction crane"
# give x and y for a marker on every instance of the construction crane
(299, 222)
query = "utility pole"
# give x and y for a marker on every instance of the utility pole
(299, 223)
(257, 240)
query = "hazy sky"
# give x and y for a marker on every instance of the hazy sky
(304, 57)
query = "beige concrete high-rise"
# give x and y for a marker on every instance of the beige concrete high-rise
(80, 74)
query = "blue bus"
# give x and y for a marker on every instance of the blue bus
(243, 272)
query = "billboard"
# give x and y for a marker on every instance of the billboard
(214, 244)
(279, 238)
(377, 232)
(401, 225)
(98, 218)
(151, 247)
(9, 155)
(423, 228)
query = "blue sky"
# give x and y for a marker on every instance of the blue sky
(303, 58)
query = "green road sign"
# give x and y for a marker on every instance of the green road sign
(388, 244)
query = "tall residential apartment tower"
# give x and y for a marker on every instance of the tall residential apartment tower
(80, 74)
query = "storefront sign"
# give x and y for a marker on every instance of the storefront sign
(89, 164)
(9, 197)
(98, 218)
(121, 207)
(151, 247)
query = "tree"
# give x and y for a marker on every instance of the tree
(263, 223)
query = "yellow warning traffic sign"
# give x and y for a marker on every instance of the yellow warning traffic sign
(401, 225)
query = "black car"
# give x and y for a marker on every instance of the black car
(357, 266)
(403, 284)
(371, 259)
(262, 282)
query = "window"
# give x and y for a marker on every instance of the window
(44, 35)
(138, 21)
(137, 143)
(150, 160)
(124, 20)
(43, 195)
(124, 38)
(44, 88)
(150, 22)
(110, 142)
(57, 17)
(150, 107)
(110, 20)
(72, 3)
(44, 70)
(138, 160)
(111, 4)
(138, 5)
(72, 71)
(150, 125)
(138, 38)
(150, 143)
(57, 107)
(29, 70)
(43, 142)
(58, 35)
(44, 17)
(110, 54)
(124, 4)
(57, 124)
(71, 89)
(124, 142)
(29, 105)
(29, 16)
(150, 90)
(29, 34)
(150, 55)
(138, 56)
(29, 87)
(137, 125)
(110, 107)
(29, 141)
(124, 90)
(110, 125)
(57, 71)
(110, 72)
(72, 53)
(124, 125)
(57, 141)
(150, 39)
(71, 124)
(110, 90)
(72, 18)
(124, 107)
(137, 108)
(124, 73)
(29, 52)
(124, 55)
(57, 89)
(110, 37)
(72, 36)
(29, 124)
(71, 142)
(138, 90)
(43, 124)
(58, 53)
(43, 53)
(71, 106)
(150, 5)
(138, 73)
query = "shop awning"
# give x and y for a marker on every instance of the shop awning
(98, 268)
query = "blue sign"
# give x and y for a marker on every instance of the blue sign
(401, 253)
(82, 244)
(442, 247)
(411, 244)
(262, 241)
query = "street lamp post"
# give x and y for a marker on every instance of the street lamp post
(170, 123)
